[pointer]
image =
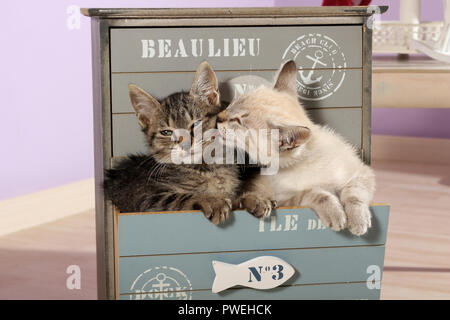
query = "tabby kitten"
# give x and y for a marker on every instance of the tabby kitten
(154, 181)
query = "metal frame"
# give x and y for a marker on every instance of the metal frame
(104, 19)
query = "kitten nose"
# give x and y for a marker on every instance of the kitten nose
(221, 117)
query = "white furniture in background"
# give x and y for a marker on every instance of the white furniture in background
(418, 82)
(409, 35)
(438, 49)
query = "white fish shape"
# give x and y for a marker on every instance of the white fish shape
(265, 272)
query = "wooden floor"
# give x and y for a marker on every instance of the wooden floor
(33, 262)
(417, 264)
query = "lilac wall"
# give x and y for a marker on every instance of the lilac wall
(46, 122)
(430, 9)
(46, 97)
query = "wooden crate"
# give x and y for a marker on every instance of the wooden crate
(159, 50)
(168, 255)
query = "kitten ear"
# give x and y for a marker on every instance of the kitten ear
(293, 136)
(144, 105)
(205, 85)
(286, 79)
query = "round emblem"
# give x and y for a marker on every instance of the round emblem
(321, 65)
(161, 283)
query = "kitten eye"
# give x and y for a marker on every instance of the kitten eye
(166, 132)
(196, 123)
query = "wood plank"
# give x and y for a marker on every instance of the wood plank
(343, 11)
(419, 196)
(160, 85)
(245, 48)
(313, 266)
(415, 285)
(128, 137)
(34, 261)
(338, 291)
(154, 234)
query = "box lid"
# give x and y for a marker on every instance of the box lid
(115, 13)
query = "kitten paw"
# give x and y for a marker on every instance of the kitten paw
(216, 210)
(258, 206)
(333, 216)
(358, 218)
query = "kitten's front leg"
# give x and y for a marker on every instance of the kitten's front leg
(356, 197)
(216, 210)
(327, 207)
(258, 205)
(257, 198)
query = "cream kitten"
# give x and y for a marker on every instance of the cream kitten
(317, 168)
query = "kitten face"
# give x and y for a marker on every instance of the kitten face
(177, 124)
(271, 109)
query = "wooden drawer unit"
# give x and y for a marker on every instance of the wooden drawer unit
(169, 255)
(159, 50)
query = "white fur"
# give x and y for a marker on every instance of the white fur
(324, 172)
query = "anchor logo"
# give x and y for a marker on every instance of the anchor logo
(308, 79)
(321, 65)
(161, 283)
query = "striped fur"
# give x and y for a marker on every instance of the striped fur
(153, 183)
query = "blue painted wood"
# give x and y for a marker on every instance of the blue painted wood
(129, 138)
(341, 47)
(160, 85)
(340, 291)
(168, 233)
(312, 266)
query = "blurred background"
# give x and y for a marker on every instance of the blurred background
(46, 138)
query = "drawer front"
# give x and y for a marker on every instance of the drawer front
(337, 291)
(235, 48)
(127, 136)
(312, 266)
(173, 233)
(347, 122)
(160, 85)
